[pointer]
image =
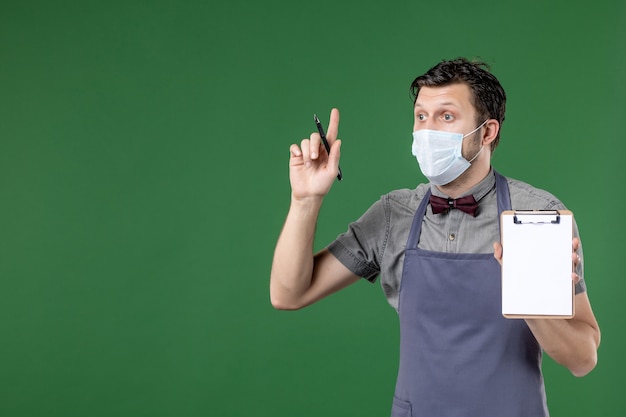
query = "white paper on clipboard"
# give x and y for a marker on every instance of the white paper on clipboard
(537, 264)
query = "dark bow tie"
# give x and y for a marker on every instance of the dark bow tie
(442, 205)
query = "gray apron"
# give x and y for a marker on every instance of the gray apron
(458, 355)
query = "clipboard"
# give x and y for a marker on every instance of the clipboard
(537, 264)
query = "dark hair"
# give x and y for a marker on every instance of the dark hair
(488, 96)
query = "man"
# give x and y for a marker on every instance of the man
(439, 264)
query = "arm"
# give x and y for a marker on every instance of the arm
(573, 342)
(298, 277)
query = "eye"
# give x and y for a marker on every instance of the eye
(448, 117)
(420, 117)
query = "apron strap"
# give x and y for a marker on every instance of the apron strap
(502, 193)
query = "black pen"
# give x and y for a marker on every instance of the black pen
(326, 145)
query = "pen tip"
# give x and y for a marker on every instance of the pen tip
(315, 118)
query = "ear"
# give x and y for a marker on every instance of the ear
(491, 129)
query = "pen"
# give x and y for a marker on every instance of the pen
(326, 145)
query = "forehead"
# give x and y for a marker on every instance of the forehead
(458, 95)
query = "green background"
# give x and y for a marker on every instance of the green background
(143, 180)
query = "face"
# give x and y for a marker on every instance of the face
(448, 109)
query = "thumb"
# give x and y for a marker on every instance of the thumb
(497, 252)
(335, 154)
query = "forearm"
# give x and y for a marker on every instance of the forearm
(571, 343)
(292, 266)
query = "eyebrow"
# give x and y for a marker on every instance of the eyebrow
(443, 104)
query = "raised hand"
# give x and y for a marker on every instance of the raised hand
(312, 170)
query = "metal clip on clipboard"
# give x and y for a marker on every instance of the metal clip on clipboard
(536, 217)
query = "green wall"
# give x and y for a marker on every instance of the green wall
(143, 184)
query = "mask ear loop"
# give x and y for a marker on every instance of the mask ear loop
(481, 146)
(481, 125)
(477, 153)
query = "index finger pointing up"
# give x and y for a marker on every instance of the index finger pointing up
(333, 125)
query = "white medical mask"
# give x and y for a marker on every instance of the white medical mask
(439, 155)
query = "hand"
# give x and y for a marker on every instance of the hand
(312, 170)
(497, 253)
(575, 259)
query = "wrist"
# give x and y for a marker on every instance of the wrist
(306, 203)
